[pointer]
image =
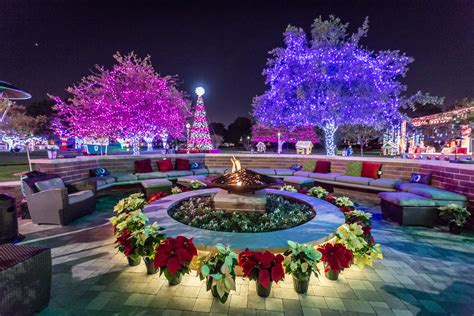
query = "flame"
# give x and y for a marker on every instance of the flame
(235, 165)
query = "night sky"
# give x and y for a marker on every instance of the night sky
(48, 45)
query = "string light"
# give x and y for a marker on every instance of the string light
(329, 82)
(200, 138)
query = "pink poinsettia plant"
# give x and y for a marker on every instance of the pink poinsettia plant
(173, 256)
(263, 267)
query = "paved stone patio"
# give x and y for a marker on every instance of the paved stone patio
(425, 271)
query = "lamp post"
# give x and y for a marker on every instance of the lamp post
(188, 127)
(279, 146)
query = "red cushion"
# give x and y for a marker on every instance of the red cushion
(371, 169)
(182, 164)
(322, 166)
(164, 165)
(143, 166)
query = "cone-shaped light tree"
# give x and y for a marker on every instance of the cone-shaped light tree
(129, 101)
(330, 80)
(200, 138)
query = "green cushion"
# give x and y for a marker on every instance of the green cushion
(354, 168)
(309, 165)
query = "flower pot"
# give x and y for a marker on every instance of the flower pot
(175, 279)
(301, 284)
(332, 275)
(263, 292)
(133, 261)
(454, 228)
(150, 266)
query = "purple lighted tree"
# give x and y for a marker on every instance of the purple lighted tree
(200, 139)
(330, 80)
(130, 101)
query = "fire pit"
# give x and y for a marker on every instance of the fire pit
(244, 189)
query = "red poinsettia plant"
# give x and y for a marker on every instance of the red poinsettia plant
(336, 257)
(125, 244)
(174, 255)
(156, 196)
(263, 267)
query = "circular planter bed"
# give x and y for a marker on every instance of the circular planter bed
(318, 229)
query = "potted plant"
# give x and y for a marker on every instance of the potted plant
(263, 267)
(147, 240)
(456, 215)
(288, 188)
(300, 261)
(156, 196)
(196, 185)
(218, 270)
(318, 192)
(359, 217)
(173, 257)
(359, 240)
(125, 226)
(176, 190)
(336, 258)
(344, 203)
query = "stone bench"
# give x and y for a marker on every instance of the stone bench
(151, 186)
(408, 209)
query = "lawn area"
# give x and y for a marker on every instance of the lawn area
(10, 172)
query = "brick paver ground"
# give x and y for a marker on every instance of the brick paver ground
(424, 271)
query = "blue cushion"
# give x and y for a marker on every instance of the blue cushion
(296, 167)
(406, 199)
(195, 165)
(420, 178)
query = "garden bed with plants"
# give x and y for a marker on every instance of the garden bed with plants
(280, 214)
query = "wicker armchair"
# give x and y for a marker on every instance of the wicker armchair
(25, 274)
(50, 203)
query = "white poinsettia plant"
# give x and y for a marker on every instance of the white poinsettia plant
(288, 188)
(301, 260)
(218, 270)
(454, 214)
(344, 201)
(318, 192)
(176, 190)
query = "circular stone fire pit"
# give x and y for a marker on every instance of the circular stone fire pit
(319, 229)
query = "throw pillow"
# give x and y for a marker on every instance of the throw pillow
(296, 167)
(143, 166)
(182, 164)
(354, 168)
(309, 165)
(420, 178)
(195, 165)
(322, 166)
(98, 172)
(164, 165)
(371, 169)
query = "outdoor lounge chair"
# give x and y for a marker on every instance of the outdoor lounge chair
(50, 203)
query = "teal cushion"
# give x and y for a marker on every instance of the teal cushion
(324, 176)
(298, 180)
(385, 183)
(284, 172)
(431, 192)
(125, 177)
(51, 184)
(150, 175)
(353, 180)
(406, 199)
(201, 171)
(302, 173)
(354, 168)
(156, 183)
(214, 170)
(178, 173)
(268, 172)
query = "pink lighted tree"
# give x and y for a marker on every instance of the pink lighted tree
(129, 101)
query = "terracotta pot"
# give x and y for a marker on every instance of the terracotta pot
(134, 261)
(263, 292)
(150, 266)
(331, 275)
(455, 229)
(301, 284)
(175, 280)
